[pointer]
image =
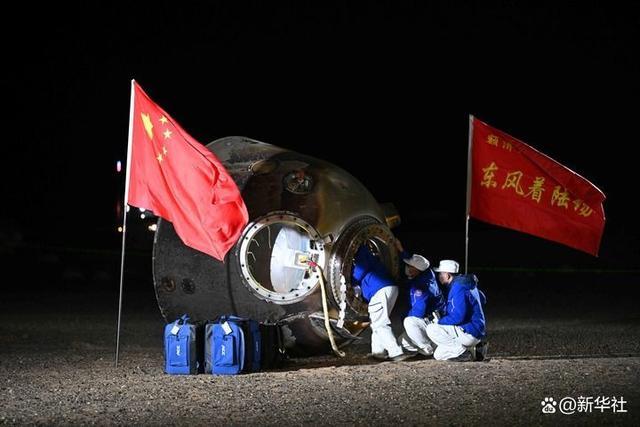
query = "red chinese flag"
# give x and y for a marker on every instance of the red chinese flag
(181, 181)
(518, 187)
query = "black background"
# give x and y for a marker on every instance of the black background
(382, 90)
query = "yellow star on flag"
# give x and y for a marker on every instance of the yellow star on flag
(164, 150)
(159, 157)
(167, 134)
(163, 120)
(148, 126)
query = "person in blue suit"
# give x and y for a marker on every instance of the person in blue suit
(425, 299)
(459, 333)
(381, 292)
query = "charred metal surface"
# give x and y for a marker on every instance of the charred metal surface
(300, 208)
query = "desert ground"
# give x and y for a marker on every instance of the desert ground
(57, 366)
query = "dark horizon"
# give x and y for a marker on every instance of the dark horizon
(396, 83)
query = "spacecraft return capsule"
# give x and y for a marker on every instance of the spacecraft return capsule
(300, 209)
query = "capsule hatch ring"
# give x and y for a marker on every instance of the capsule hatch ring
(377, 236)
(273, 254)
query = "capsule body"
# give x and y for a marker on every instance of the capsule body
(301, 209)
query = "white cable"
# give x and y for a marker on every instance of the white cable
(325, 308)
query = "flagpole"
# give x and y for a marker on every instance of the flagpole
(126, 210)
(466, 240)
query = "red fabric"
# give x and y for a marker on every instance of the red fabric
(516, 186)
(181, 181)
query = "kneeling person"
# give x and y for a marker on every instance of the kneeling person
(425, 298)
(463, 326)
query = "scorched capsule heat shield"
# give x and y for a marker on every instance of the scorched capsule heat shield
(300, 208)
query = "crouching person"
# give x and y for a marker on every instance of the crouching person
(458, 334)
(379, 290)
(425, 298)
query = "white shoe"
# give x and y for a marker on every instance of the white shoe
(402, 356)
(426, 351)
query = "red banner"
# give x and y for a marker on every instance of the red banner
(515, 186)
(180, 180)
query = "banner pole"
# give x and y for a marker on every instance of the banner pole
(469, 170)
(124, 221)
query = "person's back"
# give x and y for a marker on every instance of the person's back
(379, 290)
(464, 306)
(458, 334)
(370, 273)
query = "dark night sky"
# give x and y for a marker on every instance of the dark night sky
(394, 82)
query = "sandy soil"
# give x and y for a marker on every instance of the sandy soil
(56, 368)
